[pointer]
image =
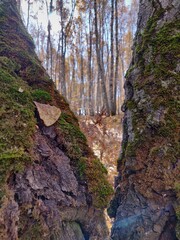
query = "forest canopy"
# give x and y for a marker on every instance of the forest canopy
(85, 47)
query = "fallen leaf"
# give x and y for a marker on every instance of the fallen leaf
(49, 114)
(20, 90)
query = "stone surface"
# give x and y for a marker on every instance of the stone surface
(45, 190)
(49, 114)
(146, 198)
(48, 190)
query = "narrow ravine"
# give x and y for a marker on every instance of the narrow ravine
(104, 136)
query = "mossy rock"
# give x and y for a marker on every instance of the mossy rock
(89, 168)
(17, 123)
(41, 96)
(23, 80)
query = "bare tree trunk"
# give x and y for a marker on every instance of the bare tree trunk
(48, 50)
(111, 80)
(57, 65)
(19, 5)
(122, 77)
(51, 59)
(90, 83)
(63, 51)
(82, 83)
(98, 97)
(100, 67)
(114, 109)
(28, 14)
(73, 77)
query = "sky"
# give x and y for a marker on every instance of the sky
(41, 15)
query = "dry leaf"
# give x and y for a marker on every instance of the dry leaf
(49, 114)
(20, 90)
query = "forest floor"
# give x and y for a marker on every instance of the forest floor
(104, 137)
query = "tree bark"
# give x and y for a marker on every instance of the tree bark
(63, 50)
(114, 108)
(100, 66)
(111, 80)
(90, 82)
(19, 5)
(28, 13)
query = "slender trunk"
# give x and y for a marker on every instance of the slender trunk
(122, 78)
(19, 5)
(98, 97)
(117, 60)
(57, 65)
(51, 59)
(82, 84)
(48, 50)
(111, 80)
(90, 83)
(100, 67)
(63, 51)
(73, 77)
(28, 14)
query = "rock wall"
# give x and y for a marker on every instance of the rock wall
(145, 206)
(51, 184)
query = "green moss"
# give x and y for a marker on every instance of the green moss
(34, 230)
(16, 120)
(72, 130)
(2, 194)
(5, 76)
(81, 167)
(177, 189)
(154, 151)
(74, 143)
(163, 45)
(131, 105)
(9, 65)
(13, 153)
(129, 71)
(149, 30)
(14, 22)
(98, 184)
(33, 233)
(18, 123)
(41, 96)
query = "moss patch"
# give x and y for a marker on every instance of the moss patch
(41, 96)
(157, 79)
(155, 110)
(22, 80)
(74, 143)
(17, 123)
(29, 227)
(98, 185)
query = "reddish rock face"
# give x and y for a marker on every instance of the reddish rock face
(146, 198)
